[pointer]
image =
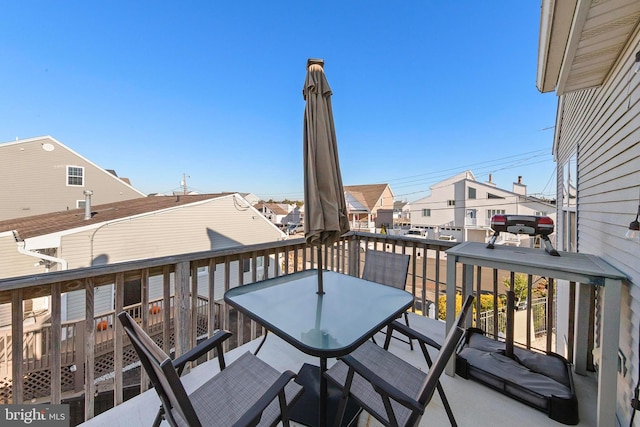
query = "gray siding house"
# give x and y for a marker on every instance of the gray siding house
(589, 56)
(47, 176)
(125, 231)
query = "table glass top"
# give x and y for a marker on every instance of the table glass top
(351, 309)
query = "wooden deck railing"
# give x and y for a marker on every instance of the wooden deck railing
(173, 322)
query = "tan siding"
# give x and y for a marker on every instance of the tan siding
(215, 224)
(13, 263)
(604, 125)
(42, 182)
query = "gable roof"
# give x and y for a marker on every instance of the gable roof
(368, 194)
(273, 207)
(49, 139)
(38, 225)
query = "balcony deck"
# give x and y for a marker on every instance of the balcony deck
(473, 403)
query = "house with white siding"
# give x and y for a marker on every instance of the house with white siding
(49, 177)
(125, 231)
(280, 213)
(589, 55)
(462, 207)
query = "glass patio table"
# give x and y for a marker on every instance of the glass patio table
(350, 312)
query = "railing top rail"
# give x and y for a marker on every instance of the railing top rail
(104, 272)
(8, 284)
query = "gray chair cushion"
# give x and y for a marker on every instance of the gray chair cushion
(225, 398)
(389, 367)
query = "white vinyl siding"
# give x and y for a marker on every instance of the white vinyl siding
(602, 127)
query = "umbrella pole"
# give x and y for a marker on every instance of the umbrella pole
(320, 287)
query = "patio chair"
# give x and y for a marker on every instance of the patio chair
(387, 268)
(393, 391)
(248, 392)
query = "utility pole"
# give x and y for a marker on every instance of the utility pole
(183, 183)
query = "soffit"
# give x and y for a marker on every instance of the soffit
(580, 42)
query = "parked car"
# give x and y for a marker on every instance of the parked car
(294, 228)
(416, 232)
(447, 238)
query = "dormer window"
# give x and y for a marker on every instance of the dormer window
(75, 176)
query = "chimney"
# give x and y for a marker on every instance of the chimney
(87, 204)
(519, 187)
(490, 182)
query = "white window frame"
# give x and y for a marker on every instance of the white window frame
(426, 212)
(80, 204)
(75, 176)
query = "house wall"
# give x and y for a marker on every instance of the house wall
(457, 188)
(43, 179)
(214, 224)
(441, 213)
(13, 263)
(602, 126)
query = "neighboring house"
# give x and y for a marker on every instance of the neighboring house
(401, 213)
(47, 176)
(462, 207)
(279, 213)
(364, 201)
(124, 231)
(588, 55)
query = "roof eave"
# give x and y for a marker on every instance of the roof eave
(556, 21)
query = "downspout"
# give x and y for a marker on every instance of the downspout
(21, 248)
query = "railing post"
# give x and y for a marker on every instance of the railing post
(90, 346)
(56, 339)
(118, 362)
(167, 308)
(17, 331)
(182, 315)
(79, 346)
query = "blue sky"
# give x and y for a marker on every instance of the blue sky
(422, 90)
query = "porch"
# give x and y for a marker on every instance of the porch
(179, 327)
(473, 403)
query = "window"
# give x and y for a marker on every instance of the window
(75, 175)
(80, 204)
(426, 212)
(492, 212)
(246, 265)
(472, 193)
(568, 239)
(451, 202)
(493, 196)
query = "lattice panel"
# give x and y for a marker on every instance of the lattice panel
(37, 384)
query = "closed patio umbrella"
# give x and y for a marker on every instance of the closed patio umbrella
(325, 207)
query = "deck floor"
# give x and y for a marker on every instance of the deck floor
(473, 404)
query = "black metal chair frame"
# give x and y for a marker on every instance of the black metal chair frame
(388, 392)
(164, 375)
